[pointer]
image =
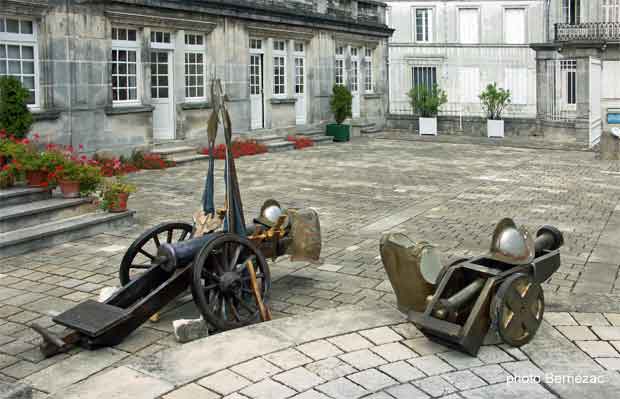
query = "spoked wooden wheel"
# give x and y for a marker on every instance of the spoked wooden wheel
(517, 309)
(221, 284)
(142, 252)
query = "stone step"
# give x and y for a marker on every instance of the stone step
(312, 133)
(268, 138)
(35, 213)
(53, 233)
(279, 146)
(371, 129)
(170, 153)
(190, 158)
(20, 195)
(321, 140)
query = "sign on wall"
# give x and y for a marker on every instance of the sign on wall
(613, 116)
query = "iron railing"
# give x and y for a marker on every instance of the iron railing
(589, 31)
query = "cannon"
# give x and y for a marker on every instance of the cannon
(221, 259)
(457, 304)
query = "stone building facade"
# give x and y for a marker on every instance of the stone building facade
(577, 67)
(121, 74)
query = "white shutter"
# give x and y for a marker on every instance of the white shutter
(469, 84)
(469, 26)
(514, 26)
(516, 82)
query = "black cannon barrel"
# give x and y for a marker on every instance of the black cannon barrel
(548, 238)
(182, 253)
(464, 296)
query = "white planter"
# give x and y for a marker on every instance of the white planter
(428, 126)
(495, 128)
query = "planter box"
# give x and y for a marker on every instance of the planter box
(495, 128)
(428, 126)
(339, 132)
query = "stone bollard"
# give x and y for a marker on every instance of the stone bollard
(189, 330)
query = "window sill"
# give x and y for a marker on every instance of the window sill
(283, 100)
(189, 105)
(128, 109)
(39, 115)
(372, 95)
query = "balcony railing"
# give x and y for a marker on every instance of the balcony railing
(589, 31)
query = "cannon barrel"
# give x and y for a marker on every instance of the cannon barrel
(548, 238)
(182, 253)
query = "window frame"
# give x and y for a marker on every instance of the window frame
(568, 68)
(128, 45)
(368, 78)
(428, 67)
(611, 9)
(280, 55)
(29, 40)
(525, 24)
(566, 11)
(430, 26)
(458, 17)
(195, 49)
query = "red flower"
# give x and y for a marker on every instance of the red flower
(37, 136)
(45, 184)
(6, 167)
(83, 157)
(59, 168)
(70, 148)
(81, 147)
(25, 141)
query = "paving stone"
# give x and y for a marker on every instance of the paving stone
(311, 394)
(560, 319)
(402, 371)
(613, 318)
(330, 368)
(224, 382)
(74, 369)
(318, 350)
(460, 360)
(372, 380)
(381, 335)
(577, 333)
(435, 386)
(431, 365)
(590, 319)
(492, 373)
(300, 379)
(363, 359)
(493, 354)
(423, 346)
(523, 368)
(611, 363)
(268, 389)
(394, 351)
(407, 330)
(597, 348)
(607, 333)
(514, 352)
(288, 359)
(379, 395)
(342, 388)
(508, 391)
(256, 369)
(406, 391)
(351, 342)
(191, 391)
(464, 380)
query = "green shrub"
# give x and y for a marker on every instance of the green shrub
(494, 100)
(15, 117)
(340, 103)
(425, 102)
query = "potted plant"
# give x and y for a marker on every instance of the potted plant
(340, 105)
(77, 178)
(425, 103)
(494, 100)
(115, 194)
(7, 175)
(39, 165)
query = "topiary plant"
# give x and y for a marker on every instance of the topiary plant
(15, 117)
(494, 100)
(426, 102)
(340, 103)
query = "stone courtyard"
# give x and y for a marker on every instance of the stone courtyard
(448, 194)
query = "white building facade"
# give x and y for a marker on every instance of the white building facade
(463, 45)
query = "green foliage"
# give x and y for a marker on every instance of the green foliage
(340, 103)
(425, 102)
(89, 176)
(112, 187)
(494, 100)
(15, 117)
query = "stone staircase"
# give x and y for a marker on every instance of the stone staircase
(370, 128)
(277, 142)
(179, 152)
(33, 218)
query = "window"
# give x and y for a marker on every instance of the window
(340, 50)
(354, 76)
(279, 76)
(256, 78)
(514, 26)
(18, 54)
(611, 10)
(469, 26)
(195, 67)
(568, 71)
(256, 44)
(516, 82)
(279, 45)
(571, 11)
(160, 37)
(425, 76)
(339, 71)
(368, 74)
(353, 51)
(299, 47)
(423, 20)
(299, 76)
(469, 85)
(125, 61)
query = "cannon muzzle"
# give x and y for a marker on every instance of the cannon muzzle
(172, 256)
(548, 238)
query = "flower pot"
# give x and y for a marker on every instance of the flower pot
(69, 188)
(7, 181)
(428, 126)
(120, 203)
(339, 132)
(495, 128)
(36, 178)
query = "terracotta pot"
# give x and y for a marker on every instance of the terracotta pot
(120, 204)
(69, 188)
(36, 178)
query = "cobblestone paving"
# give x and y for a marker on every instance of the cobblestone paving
(451, 195)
